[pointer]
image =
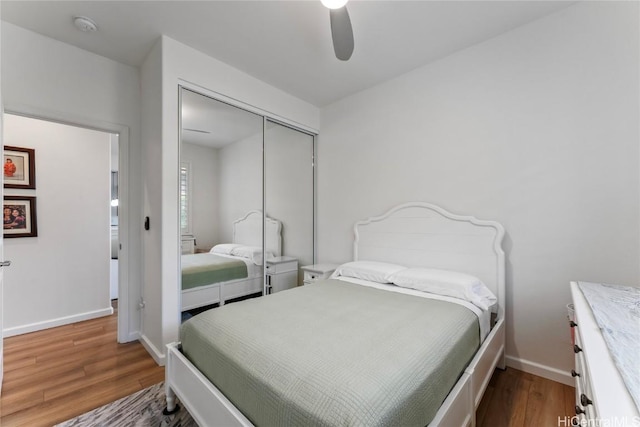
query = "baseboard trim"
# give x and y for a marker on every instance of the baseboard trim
(61, 321)
(158, 356)
(540, 370)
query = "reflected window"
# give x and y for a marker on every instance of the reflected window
(185, 199)
(114, 198)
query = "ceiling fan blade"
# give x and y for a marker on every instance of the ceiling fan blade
(342, 33)
(196, 130)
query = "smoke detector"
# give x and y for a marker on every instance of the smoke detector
(85, 24)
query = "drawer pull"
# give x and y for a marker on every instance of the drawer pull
(579, 410)
(585, 400)
(576, 349)
(574, 373)
(573, 324)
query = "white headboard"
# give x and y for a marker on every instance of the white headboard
(248, 231)
(420, 234)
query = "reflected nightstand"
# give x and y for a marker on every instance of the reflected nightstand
(282, 273)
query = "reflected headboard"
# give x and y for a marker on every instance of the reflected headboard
(420, 234)
(248, 231)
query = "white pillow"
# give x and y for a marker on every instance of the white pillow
(224, 248)
(448, 283)
(372, 271)
(253, 253)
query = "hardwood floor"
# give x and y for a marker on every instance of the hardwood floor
(517, 399)
(57, 374)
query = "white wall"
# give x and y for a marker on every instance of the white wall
(181, 64)
(151, 79)
(538, 129)
(203, 162)
(63, 273)
(49, 78)
(240, 182)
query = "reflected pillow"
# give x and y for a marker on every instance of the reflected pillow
(253, 253)
(224, 248)
(448, 283)
(372, 271)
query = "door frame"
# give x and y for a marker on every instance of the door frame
(124, 304)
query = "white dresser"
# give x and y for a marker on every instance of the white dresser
(601, 395)
(281, 273)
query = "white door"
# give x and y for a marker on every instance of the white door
(3, 264)
(1, 268)
(1, 256)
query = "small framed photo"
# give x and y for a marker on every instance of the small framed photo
(19, 216)
(19, 167)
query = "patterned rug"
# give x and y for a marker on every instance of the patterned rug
(141, 409)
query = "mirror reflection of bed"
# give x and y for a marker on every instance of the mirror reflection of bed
(232, 270)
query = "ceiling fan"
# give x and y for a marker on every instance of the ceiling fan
(341, 31)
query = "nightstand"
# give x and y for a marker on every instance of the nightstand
(188, 244)
(282, 273)
(317, 272)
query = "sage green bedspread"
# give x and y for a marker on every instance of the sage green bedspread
(205, 269)
(334, 354)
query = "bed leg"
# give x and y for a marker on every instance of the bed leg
(172, 406)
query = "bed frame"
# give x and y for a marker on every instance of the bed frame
(412, 234)
(247, 231)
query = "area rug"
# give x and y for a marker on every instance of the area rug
(141, 409)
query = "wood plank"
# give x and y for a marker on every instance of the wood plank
(153, 378)
(21, 363)
(131, 370)
(60, 373)
(20, 400)
(519, 399)
(546, 403)
(569, 400)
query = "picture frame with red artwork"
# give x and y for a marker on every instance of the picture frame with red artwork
(19, 168)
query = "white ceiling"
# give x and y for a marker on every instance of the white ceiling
(212, 123)
(285, 43)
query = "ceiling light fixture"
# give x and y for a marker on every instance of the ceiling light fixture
(334, 4)
(85, 24)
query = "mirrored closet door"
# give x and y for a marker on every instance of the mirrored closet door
(246, 203)
(289, 197)
(220, 201)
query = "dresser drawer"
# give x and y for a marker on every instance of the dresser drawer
(585, 407)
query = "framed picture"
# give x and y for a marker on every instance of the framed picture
(19, 216)
(19, 167)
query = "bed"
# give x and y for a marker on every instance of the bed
(347, 356)
(210, 278)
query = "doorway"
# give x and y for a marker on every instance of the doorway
(63, 275)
